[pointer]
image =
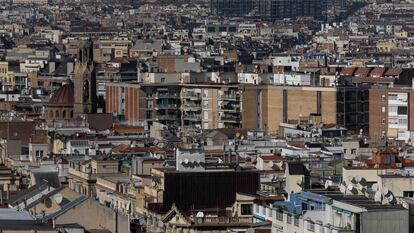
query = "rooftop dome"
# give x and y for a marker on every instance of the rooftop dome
(63, 96)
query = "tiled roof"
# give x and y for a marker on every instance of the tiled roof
(63, 96)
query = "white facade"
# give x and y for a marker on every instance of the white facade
(292, 78)
(398, 116)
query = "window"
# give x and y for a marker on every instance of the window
(246, 209)
(393, 110)
(296, 220)
(289, 219)
(401, 134)
(408, 193)
(162, 80)
(311, 226)
(403, 122)
(392, 122)
(392, 97)
(402, 110)
(279, 215)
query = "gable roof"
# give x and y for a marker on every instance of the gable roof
(66, 208)
(30, 192)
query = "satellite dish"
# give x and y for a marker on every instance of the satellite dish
(326, 185)
(352, 179)
(271, 164)
(363, 181)
(378, 196)
(342, 188)
(186, 161)
(58, 198)
(391, 198)
(200, 214)
(358, 179)
(352, 189)
(48, 203)
(363, 189)
(160, 224)
(385, 191)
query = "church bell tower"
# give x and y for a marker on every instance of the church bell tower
(84, 81)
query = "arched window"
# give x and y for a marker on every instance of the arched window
(71, 114)
(64, 114)
(57, 114)
(51, 114)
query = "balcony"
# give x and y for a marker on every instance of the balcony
(230, 118)
(223, 220)
(192, 117)
(166, 118)
(231, 96)
(166, 106)
(191, 95)
(232, 108)
(166, 96)
(189, 106)
(82, 175)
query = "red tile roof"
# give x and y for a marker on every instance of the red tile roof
(362, 72)
(63, 96)
(377, 72)
(347, 71)
(393, 72)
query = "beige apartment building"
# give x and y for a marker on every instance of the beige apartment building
(268, 106)
(105, 50)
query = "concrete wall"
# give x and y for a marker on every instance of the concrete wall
(397, 185)
(92, 215)
(385, 221)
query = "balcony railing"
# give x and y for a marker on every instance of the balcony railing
(166, 106)
(166, 96)
(166, 118)
(192, 117)
(224, 220)
(230, 96)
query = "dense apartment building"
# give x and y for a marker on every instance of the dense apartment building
(268, 106)
(390, 113)
(105, 50)
(270, 9)
(186, 105)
